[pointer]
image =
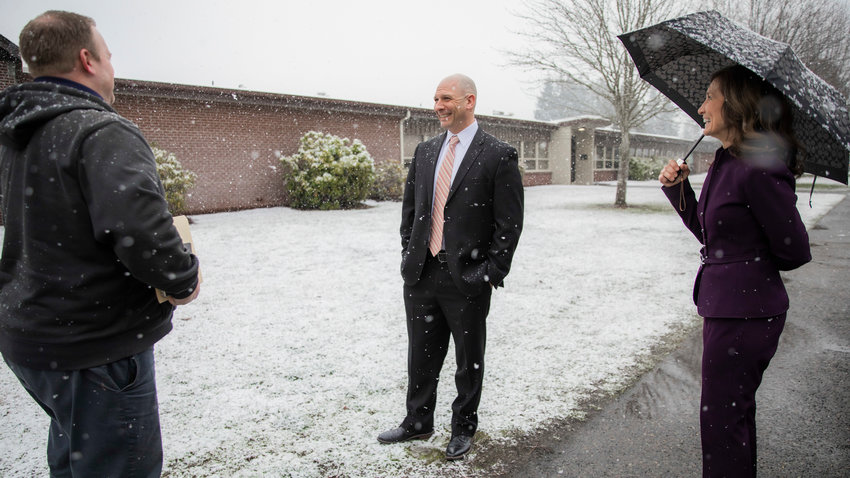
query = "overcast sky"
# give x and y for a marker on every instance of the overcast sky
(380, 51)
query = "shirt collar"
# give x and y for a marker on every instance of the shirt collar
(465, 136)
(66, 82)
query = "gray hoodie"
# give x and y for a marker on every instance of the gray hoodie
(87, 233)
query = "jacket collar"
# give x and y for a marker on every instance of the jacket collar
(66, 82)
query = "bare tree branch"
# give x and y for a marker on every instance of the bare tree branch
(575, 42)
(817, 30)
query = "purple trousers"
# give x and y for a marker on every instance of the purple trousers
(736, 353)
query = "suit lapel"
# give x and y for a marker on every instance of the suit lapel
(430, 166)
(475, 148)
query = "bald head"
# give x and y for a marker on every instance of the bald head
(463, 84)
(454, 102)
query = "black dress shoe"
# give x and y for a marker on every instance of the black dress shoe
(458, 447)
(398, 435)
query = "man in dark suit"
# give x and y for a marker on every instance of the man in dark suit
(461, 221)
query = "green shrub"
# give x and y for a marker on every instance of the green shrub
(389, 181)
(176, 180)
(328, 172)
(645, 169)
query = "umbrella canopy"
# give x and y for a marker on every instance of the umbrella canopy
(678, 57)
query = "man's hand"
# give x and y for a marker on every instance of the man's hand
(185, 300)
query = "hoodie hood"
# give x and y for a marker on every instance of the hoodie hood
(26, 107)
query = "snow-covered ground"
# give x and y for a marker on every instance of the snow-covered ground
(293, 358)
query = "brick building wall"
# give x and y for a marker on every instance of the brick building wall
(232, 139)
(10, 63)
(537, 179)
(7, 75)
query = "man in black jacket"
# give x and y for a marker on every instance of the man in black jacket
(462, 216)
(87, 237)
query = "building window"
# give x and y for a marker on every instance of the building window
(528, 149)
(533, 154)
(607, 157)
(600, 156)
(517, 146)
(543, 149)
(410, 142)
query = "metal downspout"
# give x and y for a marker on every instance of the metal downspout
(401, 136)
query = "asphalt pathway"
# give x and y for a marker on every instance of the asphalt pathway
(803, 417)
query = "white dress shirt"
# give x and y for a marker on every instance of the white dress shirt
(464, 140)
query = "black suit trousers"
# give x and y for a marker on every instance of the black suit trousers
(437, 310)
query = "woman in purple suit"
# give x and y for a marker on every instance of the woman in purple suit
(747, 221)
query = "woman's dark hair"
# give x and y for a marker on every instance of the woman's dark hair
(759, 117)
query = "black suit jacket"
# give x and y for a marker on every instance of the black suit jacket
(483, 214)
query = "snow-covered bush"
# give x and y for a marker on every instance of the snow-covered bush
(645, 169)
(389, 181)
(176, 180)
(328, 172)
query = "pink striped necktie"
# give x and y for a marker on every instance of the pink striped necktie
(444, 183)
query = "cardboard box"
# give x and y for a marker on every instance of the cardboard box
(182, 225)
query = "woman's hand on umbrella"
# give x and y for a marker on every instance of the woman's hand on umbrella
(673, 173)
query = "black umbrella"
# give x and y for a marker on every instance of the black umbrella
(678, 57)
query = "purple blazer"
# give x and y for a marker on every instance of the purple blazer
(748, 223)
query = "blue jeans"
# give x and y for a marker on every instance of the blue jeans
(104, 421)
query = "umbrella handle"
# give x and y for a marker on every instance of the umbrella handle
(681, 162)
(812, 192)
(693, 147)
(688, 154)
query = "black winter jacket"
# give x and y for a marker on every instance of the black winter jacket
(87, 233)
